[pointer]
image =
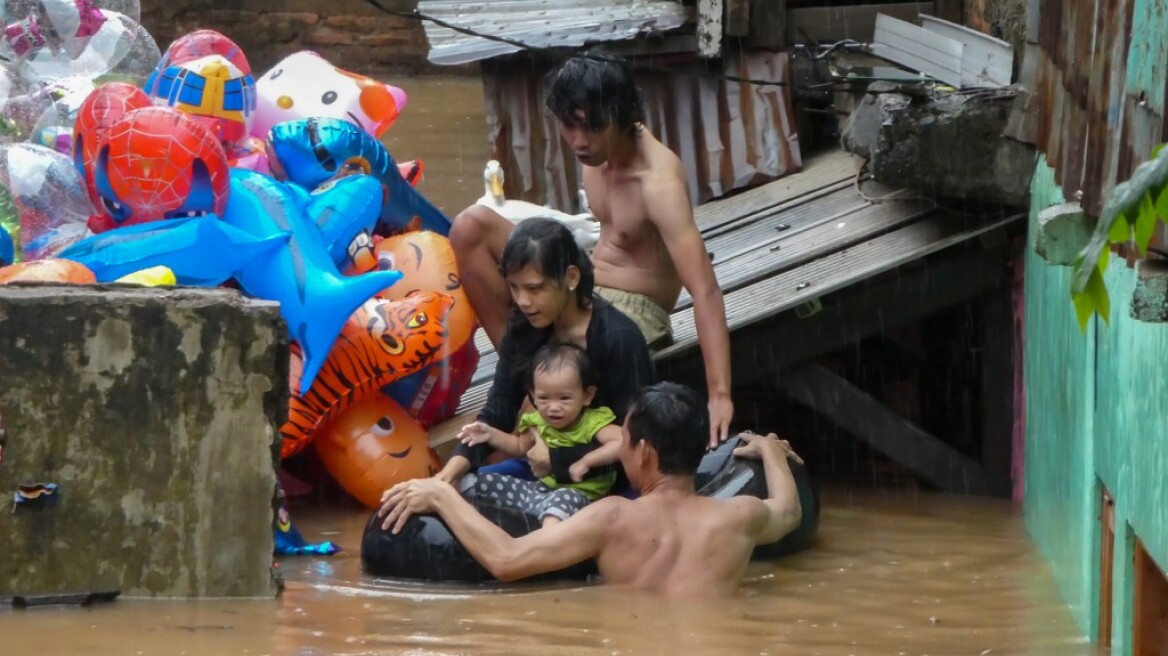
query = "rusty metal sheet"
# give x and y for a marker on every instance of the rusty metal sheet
(1097, 77)
(729, 135)
(542, 24)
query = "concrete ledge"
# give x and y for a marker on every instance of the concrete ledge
(1150, 298)
(155, 411)
(1063, 231)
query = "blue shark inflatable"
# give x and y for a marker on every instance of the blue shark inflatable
(315, 299)
(201, 251)
(346, 212)
(312, 151)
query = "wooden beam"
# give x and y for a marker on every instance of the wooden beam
(857, 22)
(950, 10)
(768, 20)
(709, 28)
(849, 316)
(997, 391)
(737, 17)
(867, 419)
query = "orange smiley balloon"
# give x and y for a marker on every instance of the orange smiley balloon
(374, 444)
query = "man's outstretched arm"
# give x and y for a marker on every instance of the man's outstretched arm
(560, 545)
(781, 512)
(669, 209)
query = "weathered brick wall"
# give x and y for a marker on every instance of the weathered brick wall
(350, 33)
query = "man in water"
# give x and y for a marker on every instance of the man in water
(669, 540)
(649, 246)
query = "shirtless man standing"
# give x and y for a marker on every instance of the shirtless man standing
(649, 246)
(669, 540)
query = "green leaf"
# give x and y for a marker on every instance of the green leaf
(1120, 231)
(1094, 299)
(1099, 297)
(1123, 201)
(1145, 225)
(1162, 205)
(1084, 308)
(1156, 150)
(1104, 260)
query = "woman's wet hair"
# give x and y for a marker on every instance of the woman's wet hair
(555, 355)
(549, 246)
(600, 84)
(675, 421)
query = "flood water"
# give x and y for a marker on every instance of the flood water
(895, 571)
(892, 573)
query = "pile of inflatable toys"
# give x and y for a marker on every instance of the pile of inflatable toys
(119, 163)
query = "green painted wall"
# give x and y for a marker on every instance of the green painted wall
(1095, 414)
(1060, 490)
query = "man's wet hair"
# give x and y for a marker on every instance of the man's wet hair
(554, 355)
(602, 85)
(675, 421)
(548, 245)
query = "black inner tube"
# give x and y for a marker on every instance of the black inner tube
(427, 550)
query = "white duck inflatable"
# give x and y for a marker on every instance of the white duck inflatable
(583, 226)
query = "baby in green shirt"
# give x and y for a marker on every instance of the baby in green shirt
(584, 442)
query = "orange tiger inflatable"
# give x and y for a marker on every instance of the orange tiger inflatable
(381, 342)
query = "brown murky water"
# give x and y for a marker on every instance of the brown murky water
(895, 571)
(892, 573)
(443, 125)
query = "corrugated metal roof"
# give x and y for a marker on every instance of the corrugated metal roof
(542, 23)
(730, 135)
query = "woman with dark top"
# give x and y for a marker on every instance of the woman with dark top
(551, 285)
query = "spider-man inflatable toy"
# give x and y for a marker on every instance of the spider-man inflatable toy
(156, 163)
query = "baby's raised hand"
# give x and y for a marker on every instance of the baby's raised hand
(475, 433)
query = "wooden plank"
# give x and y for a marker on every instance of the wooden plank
(709, 28)
(819, 171)
(768, 19)
(997, 391)
(792, 288)
(917, 48)
(856, 22)
(773, 253)
(867, 419)
(664, 44)
(738, 17)
(950, 10)
(985, 61)
(850, 315)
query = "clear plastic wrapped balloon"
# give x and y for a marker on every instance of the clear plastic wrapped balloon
(59, 38)
(23, 108)
(46, 193)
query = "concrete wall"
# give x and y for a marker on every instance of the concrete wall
(156, 413)
(350, 33)
(1095, 417)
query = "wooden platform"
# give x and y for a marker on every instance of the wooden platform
(778, 246)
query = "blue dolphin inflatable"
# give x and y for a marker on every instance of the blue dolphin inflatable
(315, 299)
(201, 251)
(311, 151)
(7, 248)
